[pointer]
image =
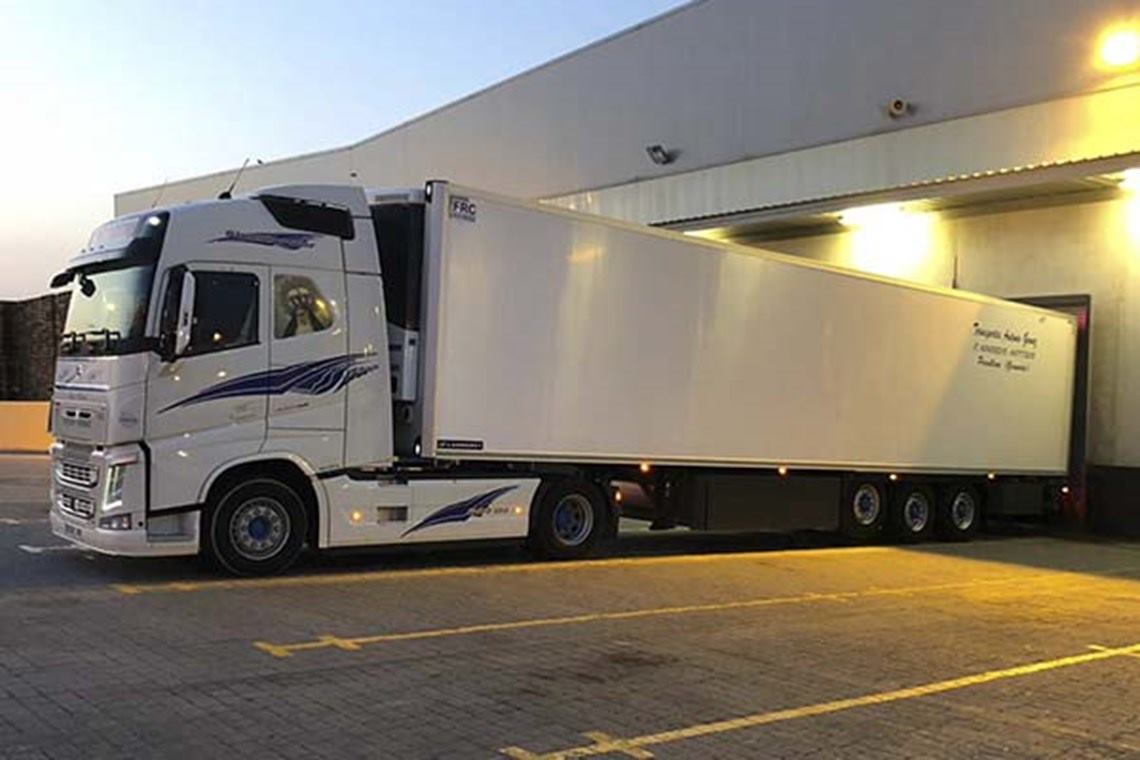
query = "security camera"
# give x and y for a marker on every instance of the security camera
(898, 108)
(659, 155)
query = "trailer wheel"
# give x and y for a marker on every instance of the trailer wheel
(257, 528)
(863, 510)
(959, 513)
(913, 513)
(571, 519)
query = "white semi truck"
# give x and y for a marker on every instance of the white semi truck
(332, 366)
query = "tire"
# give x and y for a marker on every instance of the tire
(571, 519)
(913, 513)
(863, 510)
(257, 527)
(959, 513)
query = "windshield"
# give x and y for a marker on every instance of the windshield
(107, 311)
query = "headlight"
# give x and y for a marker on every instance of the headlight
(113, 499)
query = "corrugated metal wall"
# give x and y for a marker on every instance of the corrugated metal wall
(29, 339)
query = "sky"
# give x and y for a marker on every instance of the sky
(103, 96)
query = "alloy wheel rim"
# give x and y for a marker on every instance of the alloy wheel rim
(573, 519)
(916, 512)
(259, 528)
(963, 510)
(866, 505)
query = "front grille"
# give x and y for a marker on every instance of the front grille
(76, 505)
(77, 474)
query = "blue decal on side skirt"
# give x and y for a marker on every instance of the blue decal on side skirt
(309, 378)
(460, 511)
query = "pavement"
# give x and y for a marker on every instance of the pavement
(672, 646)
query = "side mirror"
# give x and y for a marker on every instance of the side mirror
(185, 315)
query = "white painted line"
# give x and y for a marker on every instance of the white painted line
(42, 549)
(19, 521)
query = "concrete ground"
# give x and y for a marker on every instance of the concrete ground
(671, 646)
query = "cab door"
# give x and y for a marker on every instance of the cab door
(207, 405)
(308, 357)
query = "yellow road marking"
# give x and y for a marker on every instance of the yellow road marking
(606, 745)
(1099, 648)
(333, 579)
(356, 642)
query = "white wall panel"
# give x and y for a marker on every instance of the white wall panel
(723, 81)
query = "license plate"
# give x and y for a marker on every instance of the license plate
(72, 531)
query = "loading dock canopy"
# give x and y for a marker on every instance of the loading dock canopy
(1061, 140)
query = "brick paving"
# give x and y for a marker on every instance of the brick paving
(109, 658)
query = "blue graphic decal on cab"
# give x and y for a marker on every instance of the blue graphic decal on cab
(309, 378)
(293, 241)
(460, 511)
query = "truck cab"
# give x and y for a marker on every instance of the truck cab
(229, 375)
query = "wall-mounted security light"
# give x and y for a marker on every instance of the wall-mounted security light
(659, 155)
(1119, 48)
(899, 107)
(880, 214)
(1130, 180)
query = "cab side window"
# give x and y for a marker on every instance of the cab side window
(225, 311)
(299, 307)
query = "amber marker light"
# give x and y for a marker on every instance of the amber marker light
(782, 470)
(644, 467)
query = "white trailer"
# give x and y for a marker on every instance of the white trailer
(541, 365)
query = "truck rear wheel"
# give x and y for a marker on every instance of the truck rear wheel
(571, 519)
(913, 513)
(257, 527)
(959, 513)
(863, 510)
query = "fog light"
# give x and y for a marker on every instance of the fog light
(116, 522)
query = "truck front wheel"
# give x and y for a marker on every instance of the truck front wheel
(257, 527)
(570, 520)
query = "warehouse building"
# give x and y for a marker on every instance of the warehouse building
(979, 145)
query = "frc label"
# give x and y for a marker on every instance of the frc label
(462, 208)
